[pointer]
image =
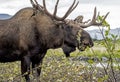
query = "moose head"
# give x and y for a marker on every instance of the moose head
(74, 35)
(83, 37)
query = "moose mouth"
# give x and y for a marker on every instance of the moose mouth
(83, 46)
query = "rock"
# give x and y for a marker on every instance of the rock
(104, 59)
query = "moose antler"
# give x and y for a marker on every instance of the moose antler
(93, 21)
(40, 7)
(36, 5)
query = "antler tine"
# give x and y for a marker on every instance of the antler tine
(39, 7)
(100, 23)
(45, 9)
(55, 10)
(44, 4)
(94, 15)
(71, 8)
(36, 2)
(33, 4)
(104, 18)
(94, 18)
(36, 5)
(93, 22)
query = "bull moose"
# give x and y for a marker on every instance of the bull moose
(28, 35)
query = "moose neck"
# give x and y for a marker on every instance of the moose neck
(50, 34)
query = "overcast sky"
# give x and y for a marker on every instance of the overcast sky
(84, 8)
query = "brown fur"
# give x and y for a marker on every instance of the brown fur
(29, 34)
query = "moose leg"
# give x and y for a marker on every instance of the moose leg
(25, 67)
(37, 69)
(37, 65)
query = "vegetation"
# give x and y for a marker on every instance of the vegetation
(98, 64)
(57, 68)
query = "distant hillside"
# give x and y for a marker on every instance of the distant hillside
(95, 34)
(4, 16)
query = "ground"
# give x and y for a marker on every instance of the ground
(57, 68)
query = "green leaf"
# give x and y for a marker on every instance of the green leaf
(105, 23)
(90, 61)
